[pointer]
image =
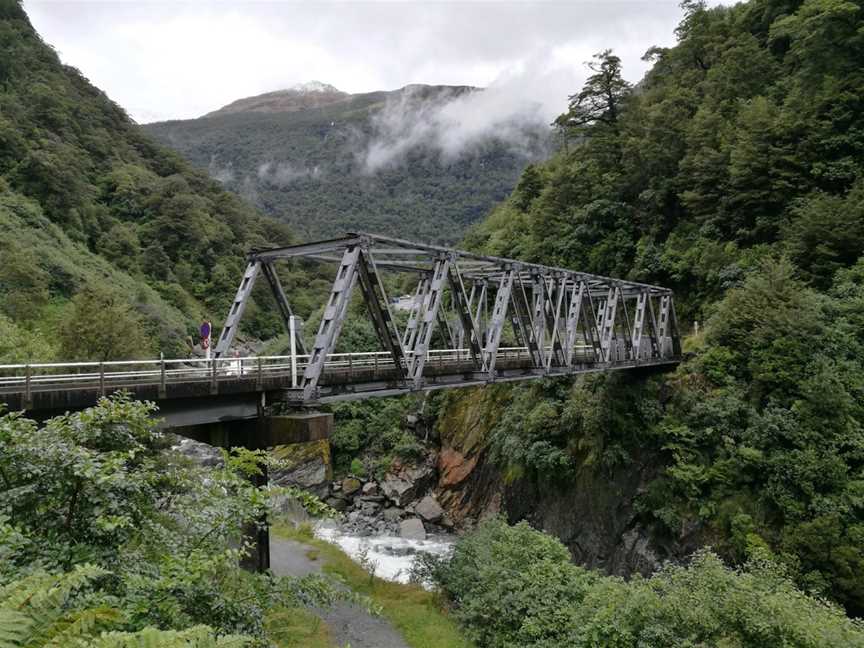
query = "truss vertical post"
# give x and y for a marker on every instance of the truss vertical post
(576, 298)
(482, 324)
(462, 304)
(238, 306)
(607, 328)
(522, 322)
(664, 325)
(639, 323)
(269, 271)
(674, 332)
(499, 314)
(331, 320)
(538, 296)
(414, 313)
(429, 315)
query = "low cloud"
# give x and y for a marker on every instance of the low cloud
(517, 108)
(219, 172)
(284, 173)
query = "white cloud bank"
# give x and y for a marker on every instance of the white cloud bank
(176, 60)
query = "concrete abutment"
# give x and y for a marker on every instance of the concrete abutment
(262, 433)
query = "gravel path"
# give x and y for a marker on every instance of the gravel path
(348, 623)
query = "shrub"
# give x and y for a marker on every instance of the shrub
(514, 586)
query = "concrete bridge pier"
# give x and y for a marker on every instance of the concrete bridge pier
(262, 433)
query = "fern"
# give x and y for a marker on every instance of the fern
(197, 637)
(37, 612)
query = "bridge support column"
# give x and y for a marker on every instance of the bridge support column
(262, 433)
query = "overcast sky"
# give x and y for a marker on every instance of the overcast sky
(176, 60)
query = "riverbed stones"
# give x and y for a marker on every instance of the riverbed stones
(200, 453)
(370, 488)
(392, 514)
(369, 509)
(400, 491)
(408, 484)
(412, 529)
(429, 509)
(337, 503)
(350, 485)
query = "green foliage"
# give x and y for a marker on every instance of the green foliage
(18, 345)
(551, 430)
(514, 586)
(374, 430)
(162, 538)
(599, 102)
(103, 326)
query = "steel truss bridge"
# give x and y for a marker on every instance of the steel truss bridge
(473, 320)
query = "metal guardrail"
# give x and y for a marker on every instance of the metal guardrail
(113, 375)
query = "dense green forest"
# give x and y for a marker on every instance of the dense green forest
(100, 228)
(734, 172)
(310, 167)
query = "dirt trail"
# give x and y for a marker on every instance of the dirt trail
(348, 623)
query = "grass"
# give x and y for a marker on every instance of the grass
(414, 612)
(296, 627)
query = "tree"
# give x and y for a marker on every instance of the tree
(599, 102)
(103, 326)
(23, 284)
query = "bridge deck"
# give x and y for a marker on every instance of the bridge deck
(192, 390)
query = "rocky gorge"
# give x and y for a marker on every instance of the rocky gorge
(458, 483)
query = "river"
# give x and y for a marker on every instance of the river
(391, 555)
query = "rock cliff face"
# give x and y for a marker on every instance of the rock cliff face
(594, 515)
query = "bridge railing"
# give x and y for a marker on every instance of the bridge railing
(114, 375)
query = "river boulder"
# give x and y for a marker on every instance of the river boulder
(412, 529)
(429, 509)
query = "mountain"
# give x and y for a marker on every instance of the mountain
(102, 230)
(408, 162)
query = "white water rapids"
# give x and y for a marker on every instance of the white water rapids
(391, 555)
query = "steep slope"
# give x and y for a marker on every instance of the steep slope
(735, 174)
(89, 203)
(327, 162)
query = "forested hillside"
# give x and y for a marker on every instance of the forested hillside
(734, 172)
(111, 245)
(327, 162)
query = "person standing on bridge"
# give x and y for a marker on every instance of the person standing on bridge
(206, 330)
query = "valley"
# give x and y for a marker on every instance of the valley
(716, 501)
(327, 162)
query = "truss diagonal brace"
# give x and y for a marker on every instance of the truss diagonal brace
(331, 320)
(241, 300)
(496, 326)
(463, 307)
(427, 320)
(381, 320)
(639, 324)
